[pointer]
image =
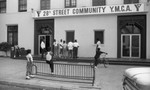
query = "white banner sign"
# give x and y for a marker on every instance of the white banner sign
(126, 8)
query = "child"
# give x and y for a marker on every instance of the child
(29, 64)
(49, 59)
(97, 55)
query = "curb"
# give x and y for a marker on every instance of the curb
(36, 87)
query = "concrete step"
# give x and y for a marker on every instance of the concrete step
(113, 61)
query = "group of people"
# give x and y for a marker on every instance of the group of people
(60, 49)
(64, 50)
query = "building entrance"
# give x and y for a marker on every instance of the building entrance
(44, 30)
(132, 36)
(48, 42)
(130, 41)
(130, 45)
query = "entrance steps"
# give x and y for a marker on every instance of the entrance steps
(113, 61)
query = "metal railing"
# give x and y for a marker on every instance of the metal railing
(81, 71)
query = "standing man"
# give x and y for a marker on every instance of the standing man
(56, 48)
(75, 49)
(42, 48)
(60, 48)
(70, 49)
(64, 49)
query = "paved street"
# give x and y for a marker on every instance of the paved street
(13, 71)
(10, 87)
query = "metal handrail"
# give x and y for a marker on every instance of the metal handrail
(72, 70)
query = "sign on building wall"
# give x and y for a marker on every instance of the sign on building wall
(125, 8)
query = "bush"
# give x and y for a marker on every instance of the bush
(5, 46)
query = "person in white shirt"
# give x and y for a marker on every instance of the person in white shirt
(42, 48)
(98, 44)
(75, 49)
(56, 48)
(49, 59)
(60, 48)
(29, 64)
(70, 49)
(64, 49)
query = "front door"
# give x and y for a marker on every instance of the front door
(130, 45)
(48, 42)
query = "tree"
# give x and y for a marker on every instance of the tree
(5, 46)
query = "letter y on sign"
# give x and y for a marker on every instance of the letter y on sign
(137, 6)
(38, 13)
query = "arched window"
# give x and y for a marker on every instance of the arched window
(130, 29)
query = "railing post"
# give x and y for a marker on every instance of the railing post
(93, 76)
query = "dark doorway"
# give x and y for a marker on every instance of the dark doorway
(132, 36)
(43, 29)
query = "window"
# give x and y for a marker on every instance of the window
(22, 5)
(69, 36)
(12, 35)
(130, 1)
(45, 4)
(98, 2)
(99, 35)
(130, 29)
(2, 6)
(70, 3)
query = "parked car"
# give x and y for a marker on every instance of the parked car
(136, 78)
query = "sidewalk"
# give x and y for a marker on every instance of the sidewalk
(13, 71)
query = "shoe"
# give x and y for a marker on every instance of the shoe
(27, 77)
(32, 76)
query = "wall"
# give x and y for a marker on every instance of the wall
(84, 27)
(87, 24)
(57, 4)
(24, 21)
(114, 2)
(12, 6)
(25, 28)
(148, 33)
(33, 4)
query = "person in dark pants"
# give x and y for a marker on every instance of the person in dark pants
(75, 49)
(42, 48)
(97, 55)
(49, 59)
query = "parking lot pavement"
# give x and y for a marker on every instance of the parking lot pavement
(12, 70)
(10, 87)
(111, 78)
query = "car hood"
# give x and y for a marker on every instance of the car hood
(140, 76)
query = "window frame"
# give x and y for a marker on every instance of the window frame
(12, 29)
(22, 5)
(71, 3)
(72, 31)
(98, 2)
(95, 36)
(45, 4)
(3, 6)
(130, 1)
